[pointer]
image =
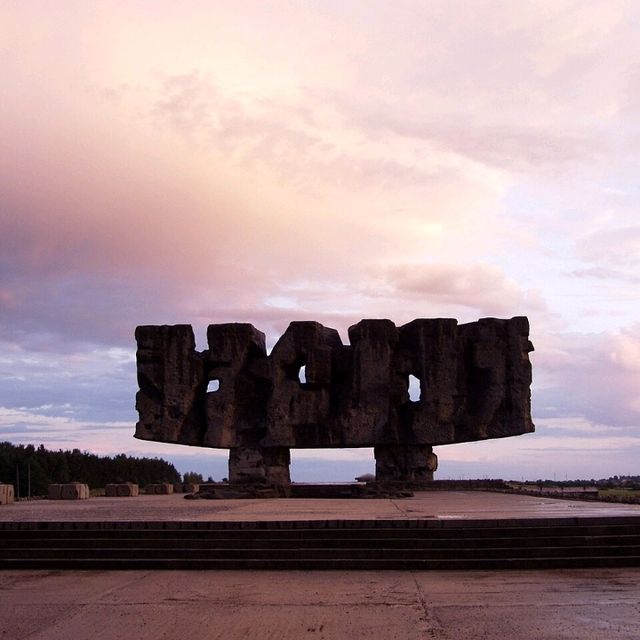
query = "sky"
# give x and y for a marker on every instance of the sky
(264, 162)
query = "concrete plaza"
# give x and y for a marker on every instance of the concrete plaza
(423, 505)
(591, 604)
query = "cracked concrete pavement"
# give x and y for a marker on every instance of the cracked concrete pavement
(163, 605)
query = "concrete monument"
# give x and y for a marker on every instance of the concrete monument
(312, 391)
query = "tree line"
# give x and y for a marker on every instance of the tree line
(32, 469)
(613, 482)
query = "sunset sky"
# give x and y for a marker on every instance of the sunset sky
(203, 162)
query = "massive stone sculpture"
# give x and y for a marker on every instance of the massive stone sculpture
(474, 384)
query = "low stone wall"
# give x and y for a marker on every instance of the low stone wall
(463, 485)
(6, 493)
(211, 486)
(185, 487)
(161, 488)
(69, 491)
(122, 490)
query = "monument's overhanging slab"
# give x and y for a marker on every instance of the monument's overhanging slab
(313, 391)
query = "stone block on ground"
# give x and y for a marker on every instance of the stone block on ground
(185, 487)
(6, 493)
(54, 492)
(159, 489)
(68, 491)
(74, 491)
(122, 490)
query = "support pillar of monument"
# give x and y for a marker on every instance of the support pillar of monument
(405, 463)
(269, 465)
(276, 465)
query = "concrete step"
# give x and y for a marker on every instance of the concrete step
(43, 542)
(289, 531)
(380, 553)
(482, 564)
(303, 545)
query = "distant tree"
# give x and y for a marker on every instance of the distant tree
(39, 467)
(192, 476)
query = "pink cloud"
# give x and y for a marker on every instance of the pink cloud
(595, 376)
(618, 246)
(478, 286)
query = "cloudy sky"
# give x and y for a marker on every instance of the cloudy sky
(263, 162)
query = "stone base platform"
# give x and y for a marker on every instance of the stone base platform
(573, 603)
(430, 505)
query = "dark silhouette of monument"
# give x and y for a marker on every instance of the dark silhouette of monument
(314, 392)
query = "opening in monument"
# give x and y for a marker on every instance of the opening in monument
(331, 465)
(414, 388)
(302, 374)
(213, 385)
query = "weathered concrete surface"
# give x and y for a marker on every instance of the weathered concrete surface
(586, 604)
(474, 381)
(445, 505)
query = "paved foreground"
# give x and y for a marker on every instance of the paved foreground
(590, 604)
(163, 605)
